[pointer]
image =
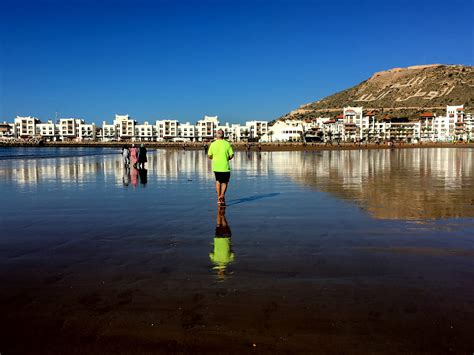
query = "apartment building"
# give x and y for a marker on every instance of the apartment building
(206, 128)
(26, 126)
(187, 131)
(145, 132)
(167, 129)
(125, 127)
(47, 130)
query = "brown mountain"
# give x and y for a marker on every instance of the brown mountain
(401, 92)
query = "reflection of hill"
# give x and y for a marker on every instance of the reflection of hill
(400, 184)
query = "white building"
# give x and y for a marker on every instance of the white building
(206, 128)
(47, 130)
(284, 131)
(86, 131)
(256, 129)
(237, 132)
(469, 126)
(353, 124)
(187, 131)
(109, 132)
(68, 128)
(26, 126)
(167, 129)
(145, 132)
(125, 127)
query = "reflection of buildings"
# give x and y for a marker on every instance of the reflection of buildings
(400, 184)
(163, 164)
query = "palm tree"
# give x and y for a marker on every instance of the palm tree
(270, 135)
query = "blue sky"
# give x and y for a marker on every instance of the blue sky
(240, 60)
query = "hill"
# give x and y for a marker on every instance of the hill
(400, 92)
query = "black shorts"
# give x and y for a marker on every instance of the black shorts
(222, 177)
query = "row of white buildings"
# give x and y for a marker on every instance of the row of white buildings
(352, 125)
(125, 128)
(355, 125)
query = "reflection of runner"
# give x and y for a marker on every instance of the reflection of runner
(222, 253)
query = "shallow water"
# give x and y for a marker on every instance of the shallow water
(335, 249)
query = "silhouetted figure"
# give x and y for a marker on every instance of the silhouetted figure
(222, 253)
(143, 174)
(142, 158)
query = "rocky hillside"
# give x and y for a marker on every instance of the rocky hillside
(401, 92)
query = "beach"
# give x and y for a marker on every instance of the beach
(351, 251)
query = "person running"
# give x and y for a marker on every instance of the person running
(220, 152)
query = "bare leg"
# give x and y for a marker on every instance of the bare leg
(218, 189)
(223, 190)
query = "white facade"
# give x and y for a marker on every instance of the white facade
(187, 131)
(167, 129)
(207, 127)
(86, 132)
(284, 131)
(145, 132)
(125, 127)
(26, 126)
(469, 126)
(109, 132)
(256, 129)
(68, 128)
(47, 130)
(352, 125)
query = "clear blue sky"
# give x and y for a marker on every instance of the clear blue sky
(240, 60)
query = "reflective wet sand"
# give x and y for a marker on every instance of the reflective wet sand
(328, 252)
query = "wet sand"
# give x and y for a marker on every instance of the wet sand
(313, 273)
(319, 304)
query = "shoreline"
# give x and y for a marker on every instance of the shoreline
(241, 146)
